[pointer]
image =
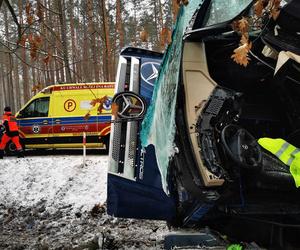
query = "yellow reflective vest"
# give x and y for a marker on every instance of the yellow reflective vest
(286, 152)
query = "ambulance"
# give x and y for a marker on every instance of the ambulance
(58, 116)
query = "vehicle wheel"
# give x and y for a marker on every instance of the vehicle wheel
(106, 143)
(41, 151)
(10, 148)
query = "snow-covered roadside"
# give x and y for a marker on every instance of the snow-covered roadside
(57, 180)
(54, 202)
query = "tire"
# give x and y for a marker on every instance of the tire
(106, 143)
(41, 151)
(10, 148)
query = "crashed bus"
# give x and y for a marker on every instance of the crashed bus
(219, 143)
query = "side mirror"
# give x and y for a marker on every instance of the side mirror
(128, 106)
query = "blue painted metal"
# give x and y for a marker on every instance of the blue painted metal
(197, 213)
(130, 199)
(149, 73)
(142, 198)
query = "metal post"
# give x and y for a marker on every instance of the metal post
(84, 147)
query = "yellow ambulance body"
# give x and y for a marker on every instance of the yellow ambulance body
(57, 116)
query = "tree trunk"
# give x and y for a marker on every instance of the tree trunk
(25, 73)
(2, 87)
(64, 40)
(92, 33)
(161, 24)
(73, 41)
(85, 57)
(33, 73)
(107, 55)
(119, 23)
(17, 85)
(4, 79)
(175, 9)
(135, 23)
(9, 65)
(157, 42)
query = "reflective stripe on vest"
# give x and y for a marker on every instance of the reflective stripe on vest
(279, 147)
(286, 152)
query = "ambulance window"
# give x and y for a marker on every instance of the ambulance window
(37, 108)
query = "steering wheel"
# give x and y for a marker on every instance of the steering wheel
(241, 146)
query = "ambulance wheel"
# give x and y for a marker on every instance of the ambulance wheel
(106, 143)
(10, 148)
(41, 151)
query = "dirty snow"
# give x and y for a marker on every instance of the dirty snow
(59, 180)
(54, 202)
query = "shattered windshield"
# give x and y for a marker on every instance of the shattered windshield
(220, 11)
(159, 124)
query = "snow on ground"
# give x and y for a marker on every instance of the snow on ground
(48, 202)
(57, 180)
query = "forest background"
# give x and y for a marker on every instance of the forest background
(45, 42)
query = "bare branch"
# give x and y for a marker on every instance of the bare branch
(13, 14)
(40, 51)
(45, 70)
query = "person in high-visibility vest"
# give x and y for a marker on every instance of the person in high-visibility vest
(286, 152)
(11, 133)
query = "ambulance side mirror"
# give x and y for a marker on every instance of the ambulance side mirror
(127, 106)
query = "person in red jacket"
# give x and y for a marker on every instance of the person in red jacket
(11, 133)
